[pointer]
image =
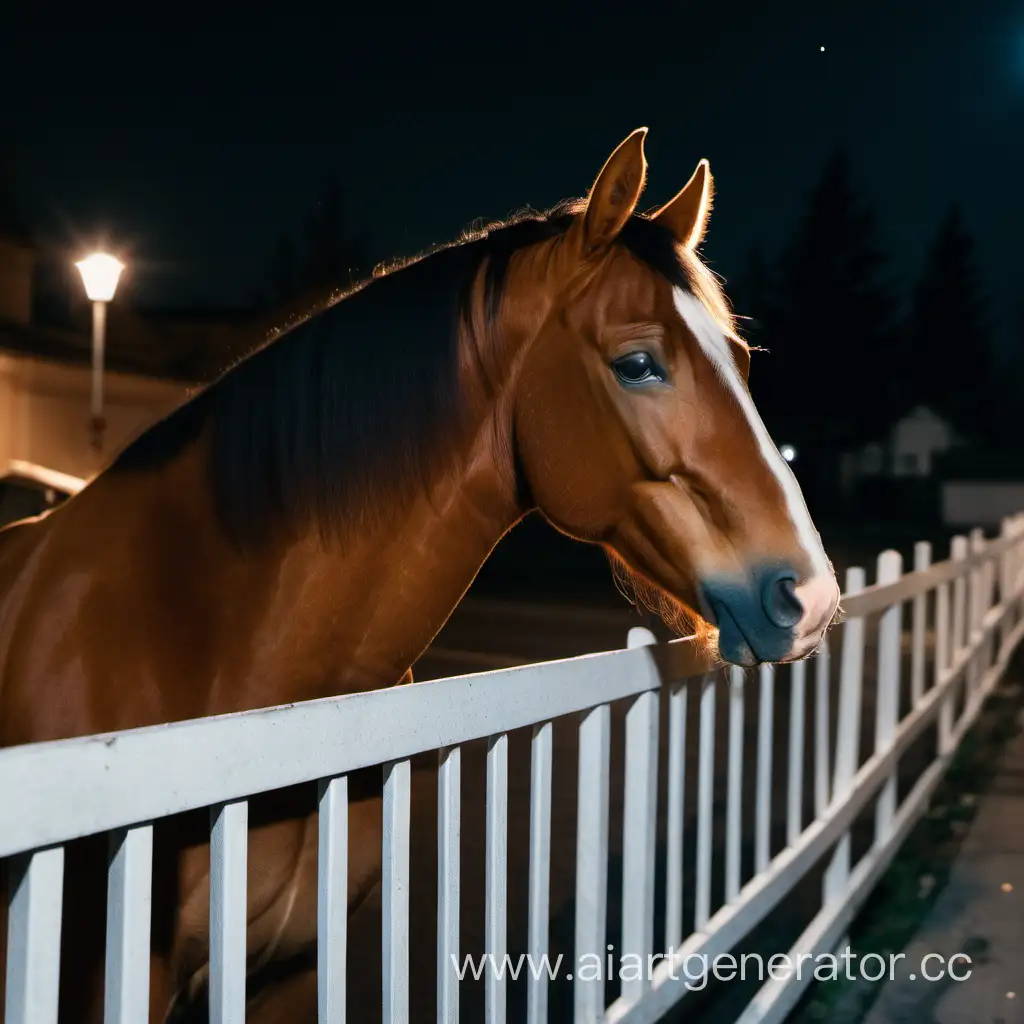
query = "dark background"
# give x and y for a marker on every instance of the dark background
(192, 144)
(868, 161)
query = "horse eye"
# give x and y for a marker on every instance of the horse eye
(636, 368)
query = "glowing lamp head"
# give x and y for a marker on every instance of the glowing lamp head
(100, 273)
(788, 452)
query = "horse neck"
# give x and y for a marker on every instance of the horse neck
(308, 617)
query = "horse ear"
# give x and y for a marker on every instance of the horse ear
(615, 194)
(686, 216)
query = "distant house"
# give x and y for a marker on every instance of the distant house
(917, 439)
(910, 448)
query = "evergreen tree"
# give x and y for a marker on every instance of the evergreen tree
(828, 325)
(950, 333)
(13, 221)
(334, 250)
(329, 252)
(751, 293)
(283, 279)
(1007, 400)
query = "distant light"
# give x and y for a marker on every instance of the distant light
(100, 274)
(788, 452)
(822, 49)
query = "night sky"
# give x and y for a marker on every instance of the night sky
(191, 147)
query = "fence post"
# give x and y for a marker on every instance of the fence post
(851, 673)
(734, 785)
(943, 659)
(676, 817)
(639, 827)
(1014, 569)
(591, 859)
(975, 658)
(705, 802)
(887, 693)
(449, 833)
(922, 561)
(1017, 564)
(821, 728)
(1001, 577)
(954, 646)
(763, 807)
(229, 845)
(988, 603)
(35, 886)
(797, 750)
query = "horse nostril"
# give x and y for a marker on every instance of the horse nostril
(781, 604)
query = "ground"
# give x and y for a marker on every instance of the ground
(957, 886)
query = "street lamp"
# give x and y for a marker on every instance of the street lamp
(100, 273)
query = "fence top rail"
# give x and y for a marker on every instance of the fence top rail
(879, 596)
(60, 790)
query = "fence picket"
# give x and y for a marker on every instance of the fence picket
(129, 903)
(496, 877)
(395, 892)
(765, 722)
(36, 887)
(851, 674)
(795, 780)
(676, 816)
(229, 839)
(705, 804)
(887, 690)
(922, 561)
(639, 829)
(332, 899)
(540, 869)
(449, 838)
(822, 667)
(734, 785)
(958, 552)
(591, 859)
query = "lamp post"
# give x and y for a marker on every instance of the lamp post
(100, 273)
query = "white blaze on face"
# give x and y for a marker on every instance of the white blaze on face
(715, 346)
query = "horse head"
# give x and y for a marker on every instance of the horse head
(636, 429)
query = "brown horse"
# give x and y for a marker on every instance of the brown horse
(304, 526)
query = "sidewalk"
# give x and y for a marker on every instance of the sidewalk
(980, 913)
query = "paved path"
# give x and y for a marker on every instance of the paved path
(980, 913)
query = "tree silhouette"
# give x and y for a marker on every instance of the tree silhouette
(328, 252)
(13, 221)
(283, 277)
(949, 330)
(828, 323)
(751, 295)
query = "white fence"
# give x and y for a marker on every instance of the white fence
(966, 618)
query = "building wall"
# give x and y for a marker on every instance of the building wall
(17, 263)
(980, 502)
(44, 413)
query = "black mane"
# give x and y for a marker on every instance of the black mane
(364, 393)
